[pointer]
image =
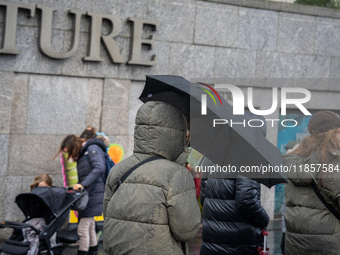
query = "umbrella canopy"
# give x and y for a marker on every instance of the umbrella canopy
(171, 89)
(234, 146)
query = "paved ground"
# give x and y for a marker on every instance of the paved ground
(274, 241)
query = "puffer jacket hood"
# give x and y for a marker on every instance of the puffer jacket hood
(160, 129)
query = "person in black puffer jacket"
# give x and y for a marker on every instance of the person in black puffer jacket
(232, 216)
(91, 169)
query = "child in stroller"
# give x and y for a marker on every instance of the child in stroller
(47, 208)
(42, 180)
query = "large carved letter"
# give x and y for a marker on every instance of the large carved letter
(11, 25)
(46, 32)
(96, 28)
(138, 42)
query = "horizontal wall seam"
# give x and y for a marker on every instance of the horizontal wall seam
(283, 7)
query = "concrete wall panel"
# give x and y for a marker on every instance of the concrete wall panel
(235, 63)
(191, 61)
(4, 146)
(57, 105)
(19, 104)
(32, 154)
(6, 98)
(216, 17)
(115, 115)
(257, 29)
(296, 33)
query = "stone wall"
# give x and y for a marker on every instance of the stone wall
(284, 1)
(44, 99)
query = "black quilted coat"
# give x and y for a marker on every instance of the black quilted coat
(91, 168)
(232, 216)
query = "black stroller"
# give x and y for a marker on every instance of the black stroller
(51, 204)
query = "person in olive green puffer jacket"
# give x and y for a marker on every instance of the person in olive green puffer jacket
(154, 211)
(312, 229)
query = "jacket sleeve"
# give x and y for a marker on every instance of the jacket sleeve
(110, 188)
(248, 202)
(107, 197)
(182, 206)
(97, 162)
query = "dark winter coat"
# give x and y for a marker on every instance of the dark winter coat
(311, 229)
(155, 210)
(232, 217)
(91, 169)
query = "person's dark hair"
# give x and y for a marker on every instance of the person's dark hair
(88, 134)
(91, 128)
(73, 145)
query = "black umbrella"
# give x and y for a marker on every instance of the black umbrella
(234, 147)
(171, 89)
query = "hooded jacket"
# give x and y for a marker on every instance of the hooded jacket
(233, 216)
(91, 169)
(154, 211)
(311, 229)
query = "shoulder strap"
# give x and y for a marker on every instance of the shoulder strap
(329, 207)
(126, 175)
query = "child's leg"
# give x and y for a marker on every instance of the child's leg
(84, 234)
(93, 236)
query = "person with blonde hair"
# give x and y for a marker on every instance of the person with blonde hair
(42, 180)
(313, 193)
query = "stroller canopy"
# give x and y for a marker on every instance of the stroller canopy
(44, 202)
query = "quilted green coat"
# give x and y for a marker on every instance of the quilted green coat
(154, 211)
(311, 228)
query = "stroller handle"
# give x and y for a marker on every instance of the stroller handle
(81, 190)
